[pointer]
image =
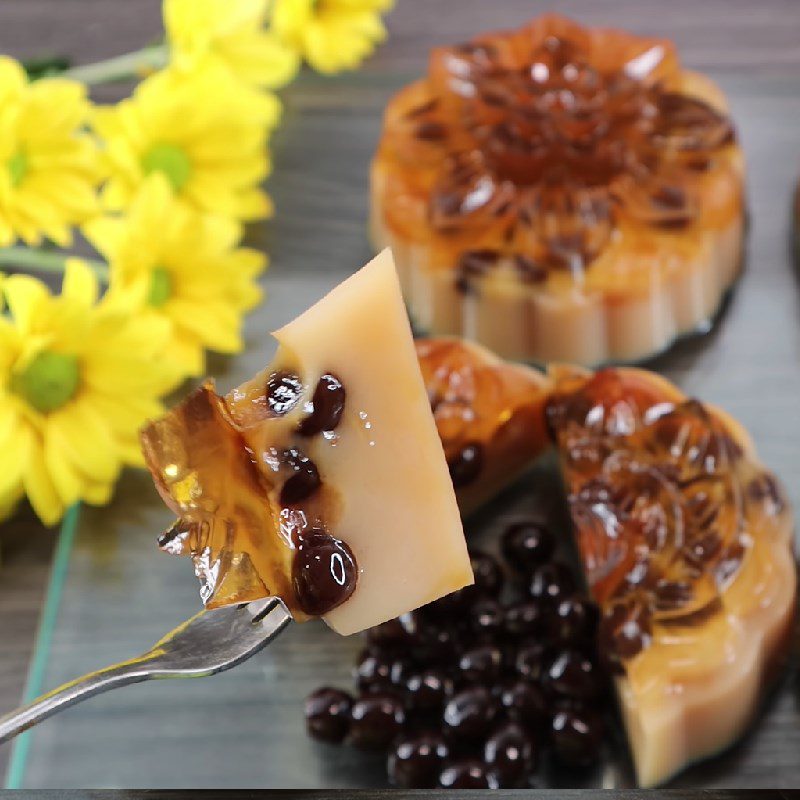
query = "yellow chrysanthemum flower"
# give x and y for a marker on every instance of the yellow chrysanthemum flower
(204, 131)
(175, 265)
(232, 34)
(48, 164)
(77, 379)
(332, 35)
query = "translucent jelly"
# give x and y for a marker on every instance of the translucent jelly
(489, 415)
(686, 542)
(560, 193)
(322, 479)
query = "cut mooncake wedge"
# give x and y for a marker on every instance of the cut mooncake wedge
(322, 480)
(561, 193)
(489, 414)
(687, 546)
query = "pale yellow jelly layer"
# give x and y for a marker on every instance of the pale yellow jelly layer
(397, 509)
(673, 292)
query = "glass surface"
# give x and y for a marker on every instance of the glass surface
(245, 728)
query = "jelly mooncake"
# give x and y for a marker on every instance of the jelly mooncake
(560, 193)
(686, 543)
(322, 480)
(489, 414)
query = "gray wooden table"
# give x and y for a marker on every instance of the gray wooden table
(749, 363)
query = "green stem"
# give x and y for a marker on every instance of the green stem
(121, 68)
(45, 261)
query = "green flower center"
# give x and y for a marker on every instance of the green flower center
(169, 159)
(17, 167)
(48, 382)
(160, 287)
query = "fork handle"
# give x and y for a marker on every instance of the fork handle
(71, 693)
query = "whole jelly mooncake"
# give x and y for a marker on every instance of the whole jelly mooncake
(687, 546)
(322, 479)
(559, 193)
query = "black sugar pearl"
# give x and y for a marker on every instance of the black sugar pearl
(526, 545)
(486, 618)
(413, 625)
(510, 755)
(574, 621)
(576, 737)
(284, 389)
(523, 619)
(441, 646)
(327, 406)
(466, 774)
(488, 574)
(416, 761)
(428, 690)
(375, 720)
(481, 664)
(389, 634)
(327, 712)
(469, 714)
(531, 660)
(303, 478)
(373, 671)
(551, 582)
(572, 674)
(324, 572)
(526, 704)
(466, 465)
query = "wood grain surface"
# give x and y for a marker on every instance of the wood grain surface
(748, 364)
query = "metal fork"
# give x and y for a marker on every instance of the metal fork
(209, 642)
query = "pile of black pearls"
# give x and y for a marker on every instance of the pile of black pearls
(470, 692)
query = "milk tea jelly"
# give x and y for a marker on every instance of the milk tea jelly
(301, 482)
(560, 193)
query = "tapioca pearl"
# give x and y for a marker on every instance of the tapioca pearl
(389, 634)
(626, 629)
(327, 713)
(510, 755)
(488, 574)
(551, 582)
(416, 761)
(574, 621)
(527, 544)
(466, 465)
(481, 664)
(324, 572)
(466, 774)
(525, 703)
(486, 618)
(326, 407)
(303, 478)
(576, 737)
(427, 691)
(572, 674)
(373, 671)
(531, 660)
(284, 390)
(469, 714)
(523, 619)
(375, 720)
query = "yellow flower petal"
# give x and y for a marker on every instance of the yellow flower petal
(24, 295)
(48, 162)
(86, 440)
(80, 282)
(40, 488)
